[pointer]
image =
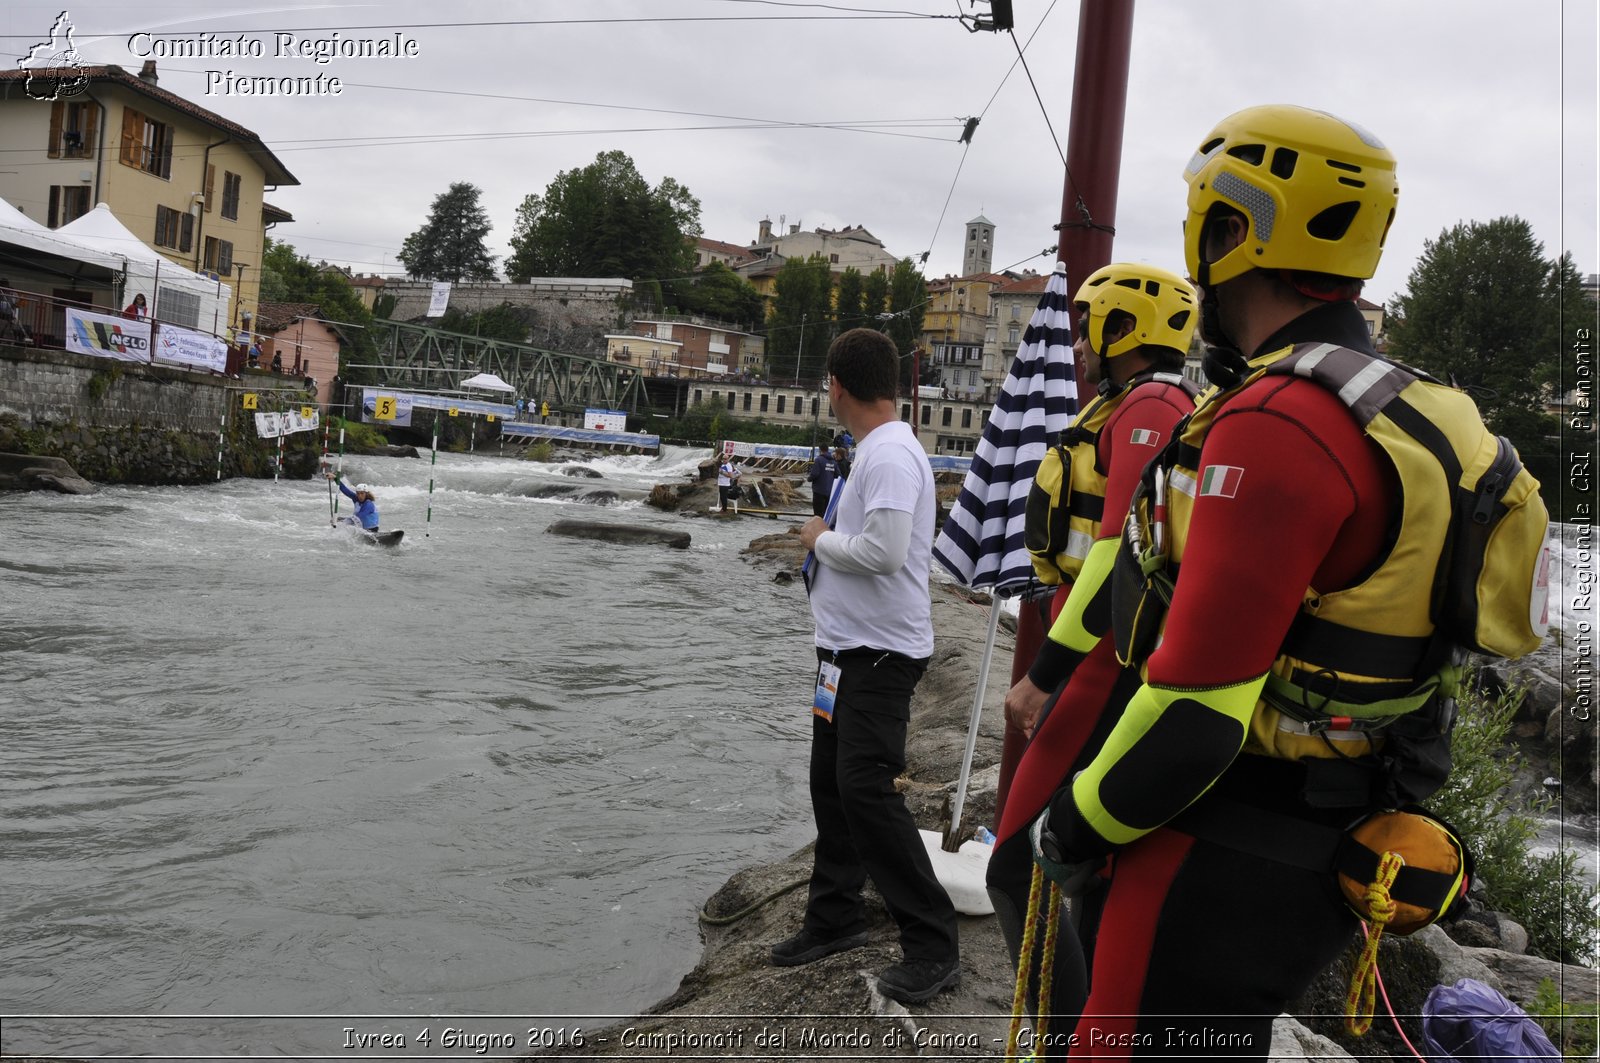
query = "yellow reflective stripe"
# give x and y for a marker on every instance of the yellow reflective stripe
(1238, 702)
(1068, 630)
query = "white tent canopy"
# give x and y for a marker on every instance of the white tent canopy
(487, 380)
(172, 292)
(19, 230)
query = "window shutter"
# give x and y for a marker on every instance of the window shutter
(211, 187)
(132, 135)
(91, 126)
(55, 206)
(186, 241)
(225, 256)
(57, 110)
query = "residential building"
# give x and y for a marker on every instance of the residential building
(1372, 313)
(955, 326)
(1012, 303)
(707, 251)
(188, 182)
(843, 248)
(676, 345)
(307, 345)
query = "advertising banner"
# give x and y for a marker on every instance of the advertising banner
(188, 347)
(273, 425)
(439, 299)
(389, 407)
(605, 420)
(106, 336)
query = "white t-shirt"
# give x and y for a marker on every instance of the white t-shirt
(892, 610)
(727, 472)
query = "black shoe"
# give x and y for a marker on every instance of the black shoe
(915, 981)
(808, 947)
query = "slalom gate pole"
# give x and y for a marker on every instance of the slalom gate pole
(282, 435)
(340, 470)
(222, 434)
(432, 462)
(472, 435)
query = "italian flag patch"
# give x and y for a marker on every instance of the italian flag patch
(1145, 437)
(1221, 480)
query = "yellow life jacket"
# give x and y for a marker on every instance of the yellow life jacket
(1464, 567)
(1066, 503)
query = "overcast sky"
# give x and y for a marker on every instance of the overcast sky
(1489, 106)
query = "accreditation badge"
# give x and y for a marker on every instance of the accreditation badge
(827, 690)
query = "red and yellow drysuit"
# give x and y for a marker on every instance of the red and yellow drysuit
(1197, 947)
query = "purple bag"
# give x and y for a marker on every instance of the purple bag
(1469, 1021)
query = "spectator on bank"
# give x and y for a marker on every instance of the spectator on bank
(137, 310)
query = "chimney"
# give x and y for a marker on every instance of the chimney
(147, 73)
(766, 231)
(794, 229)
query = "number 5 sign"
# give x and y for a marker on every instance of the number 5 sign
(383, 409)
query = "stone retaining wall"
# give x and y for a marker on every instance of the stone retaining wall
(135, 423)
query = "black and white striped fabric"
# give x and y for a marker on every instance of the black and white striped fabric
(981, 543)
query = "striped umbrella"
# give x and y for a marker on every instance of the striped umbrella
(981, 543)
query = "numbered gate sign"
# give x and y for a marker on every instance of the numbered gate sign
(308, 412)
(453, 411)
(383, 409)
(250, 400)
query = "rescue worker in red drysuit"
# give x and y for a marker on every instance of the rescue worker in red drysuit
(1135, 325)
(1279, 503)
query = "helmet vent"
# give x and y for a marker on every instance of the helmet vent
(1179, 321)
(1129, 282)
(1152, 287)
(1334, 222)
(1283, 160)
(1337, 165)
(1250, 153)
(1352, 182)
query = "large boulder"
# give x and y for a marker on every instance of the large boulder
(619, 533)
(33, 472)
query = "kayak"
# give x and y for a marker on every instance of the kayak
(388, 538)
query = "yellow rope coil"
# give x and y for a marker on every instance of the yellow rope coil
(1359, 1004)
(1019, 994)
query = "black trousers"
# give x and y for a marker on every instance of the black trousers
(863, 826)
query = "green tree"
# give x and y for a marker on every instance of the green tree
(1482, 310)
(847, 301)
(503, 322)
(874, 296)
(799, 328)
(289, 277)
(718, 292)
(604, 220)
(908, 302)
(449, 246)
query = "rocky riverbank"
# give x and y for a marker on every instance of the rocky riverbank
(735, 1003)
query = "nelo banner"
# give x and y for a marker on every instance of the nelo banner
(188, 347)
(105, 336)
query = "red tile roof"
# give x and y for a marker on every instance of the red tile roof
(270, 317)
(1024, 286)
(277, 173)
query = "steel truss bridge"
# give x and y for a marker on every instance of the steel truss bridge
(418, 358)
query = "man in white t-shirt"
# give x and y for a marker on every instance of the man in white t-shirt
(728, 474)
(874, 635)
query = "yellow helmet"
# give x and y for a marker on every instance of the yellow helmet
(1319, 192)
(1161, 303)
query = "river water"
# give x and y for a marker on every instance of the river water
(265, 789)
(250, 765)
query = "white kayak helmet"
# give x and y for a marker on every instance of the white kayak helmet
(364, 489)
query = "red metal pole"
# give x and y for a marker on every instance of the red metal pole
(1094, 162)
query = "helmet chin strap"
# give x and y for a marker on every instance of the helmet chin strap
(1224, 364)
